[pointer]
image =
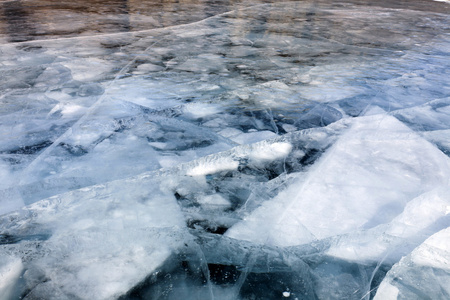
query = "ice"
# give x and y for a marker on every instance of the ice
(364, 180)
(325, 85)
(433, 115)
(424, 273)
(439, 137)
(134, 231)
(272, 152)
(225, 164)
(245, 150)
(10, 270)
(421, 217)
(249, 137)
(103, 240)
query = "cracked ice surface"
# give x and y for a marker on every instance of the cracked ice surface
(257, 151)
(378, 159)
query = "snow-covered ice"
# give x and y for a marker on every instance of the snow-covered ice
(209, 150)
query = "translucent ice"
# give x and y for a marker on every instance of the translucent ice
(423, 274)
(10, 270)
(267, 150)
(387, 243)
(364, 180)
(103, 240)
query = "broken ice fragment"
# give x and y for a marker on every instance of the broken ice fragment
(10, 270)
(423, 274)
(104, 239)
(214, 166)
(362, 181)
(270, 152)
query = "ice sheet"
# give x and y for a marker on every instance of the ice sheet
(265, 150)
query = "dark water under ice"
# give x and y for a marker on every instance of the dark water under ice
(224, 149)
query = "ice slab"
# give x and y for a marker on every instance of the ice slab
(387, 243)
(433, 115)
(363, 181)
(118, 139)
(439, 138)
(423, 274)
(103, 240)
(10, 270)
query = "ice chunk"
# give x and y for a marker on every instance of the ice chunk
(272, 152)
(10, 270)
(330, 83)
(204, 63)
(433, 115)
(421, 214)
(103, 240)
(317, 116)
(248, 137)
(88, 69)
(214, 166)
(272, 94)
(423, 274)
(421, 217)
(440, 138)
(68, 110)
(200, 110)
(363, 181)
(145, 68)
(214, 200)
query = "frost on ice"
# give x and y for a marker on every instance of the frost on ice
(270, 151)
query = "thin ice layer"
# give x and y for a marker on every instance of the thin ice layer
(423, 274)
(101, 240)
(364, 180)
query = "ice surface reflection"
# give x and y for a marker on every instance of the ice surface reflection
(224, 150)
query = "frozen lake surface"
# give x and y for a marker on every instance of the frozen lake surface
(224, 149)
